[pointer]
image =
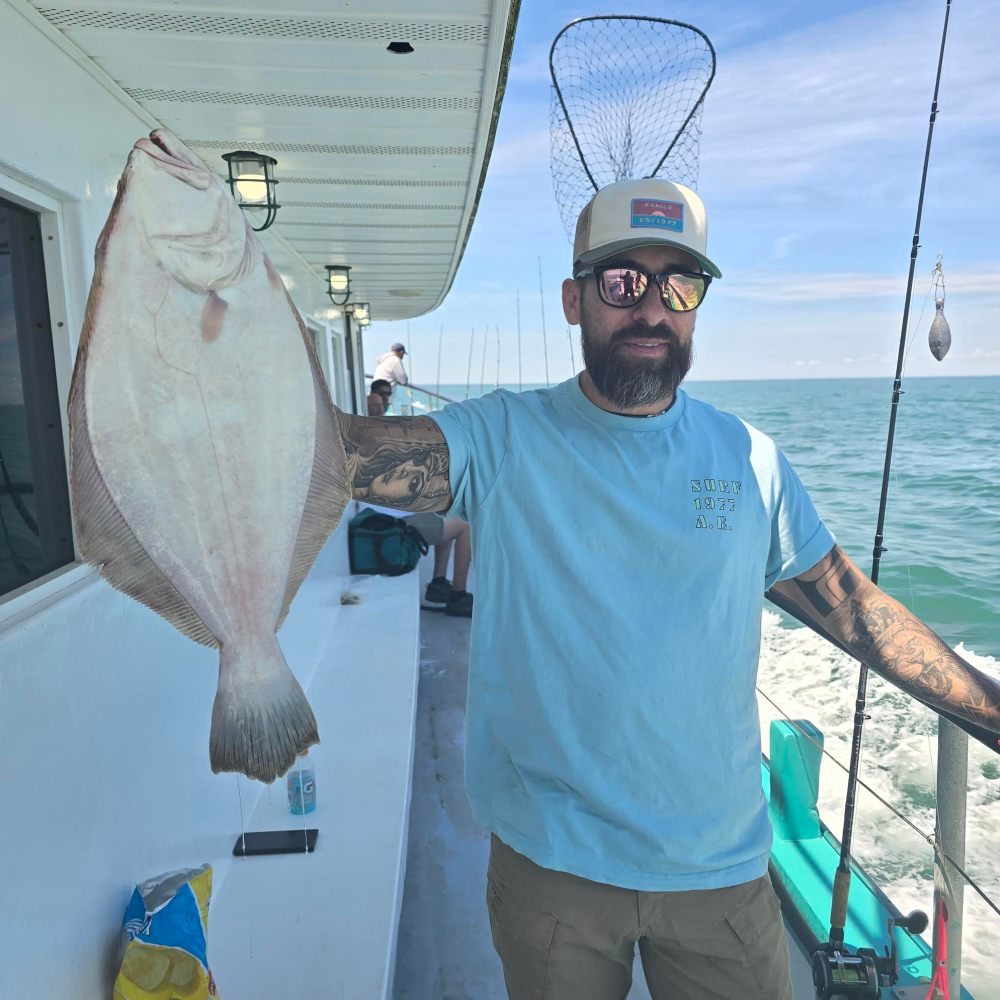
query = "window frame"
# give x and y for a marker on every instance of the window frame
(53, 222)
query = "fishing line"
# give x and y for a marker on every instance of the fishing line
(928, 736)
(482, 371)
(923, 309)
(301, 792)
(440, 339)
(519, 382)
(545, 342)
(243, 830)
(929, 838)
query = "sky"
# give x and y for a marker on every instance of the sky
(813, 137)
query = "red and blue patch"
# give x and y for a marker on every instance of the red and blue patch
(651, 213)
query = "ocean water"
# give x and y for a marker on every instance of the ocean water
(942, 535)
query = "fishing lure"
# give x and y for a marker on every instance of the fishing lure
(939, 338)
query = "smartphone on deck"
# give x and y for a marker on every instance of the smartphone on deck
(276, 842)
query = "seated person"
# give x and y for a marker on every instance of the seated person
(450, 596)
(379, 397)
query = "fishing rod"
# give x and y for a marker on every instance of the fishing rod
(835, 971)
(468, 371)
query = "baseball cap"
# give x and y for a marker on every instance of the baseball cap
(642, 213)
(398, 347)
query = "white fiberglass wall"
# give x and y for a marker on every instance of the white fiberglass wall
(104, 708)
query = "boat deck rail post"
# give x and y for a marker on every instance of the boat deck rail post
(949, 886)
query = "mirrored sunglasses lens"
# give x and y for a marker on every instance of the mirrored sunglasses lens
(622, 286)
(683, 292)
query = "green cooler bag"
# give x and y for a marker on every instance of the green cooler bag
(379, 543)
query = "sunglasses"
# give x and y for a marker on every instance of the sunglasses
(624, 287)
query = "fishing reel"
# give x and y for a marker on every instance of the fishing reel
(837, 973)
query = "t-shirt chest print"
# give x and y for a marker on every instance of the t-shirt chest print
(715, 502)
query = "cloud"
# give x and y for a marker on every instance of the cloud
(781, 246)
(833, 97)
(531, 68)
(979, 354)
(791, 287)
(511, 154)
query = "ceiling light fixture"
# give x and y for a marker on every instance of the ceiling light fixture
(338, 283)
(252, 182)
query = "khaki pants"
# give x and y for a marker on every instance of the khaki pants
(561, 937)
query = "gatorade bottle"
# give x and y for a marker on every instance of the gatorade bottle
(301, 784)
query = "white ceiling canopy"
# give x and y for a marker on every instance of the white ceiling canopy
(381, 156)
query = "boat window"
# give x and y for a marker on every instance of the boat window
(35, 530)
(338, 375)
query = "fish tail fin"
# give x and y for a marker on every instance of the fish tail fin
(261, 719)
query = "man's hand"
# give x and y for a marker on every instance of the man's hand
(840, 603)
(397, 462)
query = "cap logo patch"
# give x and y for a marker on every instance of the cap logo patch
(651, 213)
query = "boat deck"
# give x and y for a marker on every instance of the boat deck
(443, 948)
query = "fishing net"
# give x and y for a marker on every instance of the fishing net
(627, 97)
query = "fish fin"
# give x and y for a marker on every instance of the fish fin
(105, 539)
(261, 719)
(329, 488)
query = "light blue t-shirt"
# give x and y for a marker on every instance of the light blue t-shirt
(612, 726)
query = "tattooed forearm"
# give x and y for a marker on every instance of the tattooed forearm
(397, 462)
(890, 640)
(842, 603)
(827, 585)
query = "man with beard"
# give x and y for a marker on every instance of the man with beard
(624, 536)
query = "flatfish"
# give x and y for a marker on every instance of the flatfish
(207, 469)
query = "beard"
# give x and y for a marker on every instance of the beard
(629, 383)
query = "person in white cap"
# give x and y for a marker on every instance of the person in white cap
(624, 536)
(389, 366)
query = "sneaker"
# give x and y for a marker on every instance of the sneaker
(437, 594)
(459, 604)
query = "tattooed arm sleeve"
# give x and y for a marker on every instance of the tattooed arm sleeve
(397, 462)
(839, 601)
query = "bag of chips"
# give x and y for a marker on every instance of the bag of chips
(166, 939)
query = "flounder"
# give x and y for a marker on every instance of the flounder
(207, 468)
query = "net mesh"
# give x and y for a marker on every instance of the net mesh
(627, 97)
